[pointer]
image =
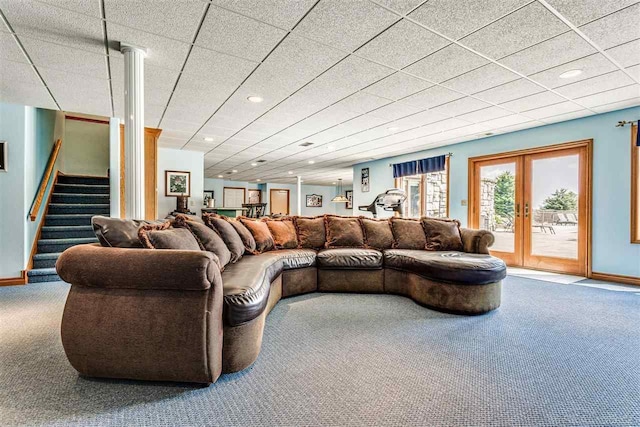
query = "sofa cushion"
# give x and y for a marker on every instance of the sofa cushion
(260, 233)
(245, 235)
(349, 259)
(246, 283)
(208, 239)
(228, 234)
(119, 233)
(442, 234)
(163, 236)
(408, 233)
(283, 232)
(377, 233)
(343, 232)
(450, 266)
(311, 232)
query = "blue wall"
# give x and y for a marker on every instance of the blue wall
(612, 252)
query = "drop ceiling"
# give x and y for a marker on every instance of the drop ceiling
(359, 79)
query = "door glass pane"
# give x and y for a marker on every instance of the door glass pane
(497, 204)
(413, 197)
(554, 206)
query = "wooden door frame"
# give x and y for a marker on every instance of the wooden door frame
(244, 195)
(271, 190)
(587, 144)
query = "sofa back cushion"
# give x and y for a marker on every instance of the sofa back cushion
(377, 233)
(442, 234)
(408, 233)
(311, 232)
(208, 239)
(245, 235)
(260, 233)
(283, 232)
(163, 236)
(343, 232)
(119, 233)
(228, 234)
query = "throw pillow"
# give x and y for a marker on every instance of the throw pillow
(311, 232)
(408, 233)
(442, 234)
(247, 238)
(162, 236)
(228, 234)
(260, 233)
(343, 232)
(283, 232)
(377, 233)
(119, 233)
(208, 239)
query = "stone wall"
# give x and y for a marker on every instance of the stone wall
(436, 189)
(487, 197)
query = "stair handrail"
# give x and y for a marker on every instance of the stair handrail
(33, 215)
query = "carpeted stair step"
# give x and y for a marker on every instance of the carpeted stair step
(78, 208)
(66, 231)
(59, 245)
(81, 189)
(79, 198)
(82, 180)
(40, 275)
(45, 260)
(67, 220)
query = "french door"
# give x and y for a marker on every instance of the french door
(537, 204)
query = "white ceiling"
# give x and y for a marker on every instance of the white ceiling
(361, 79)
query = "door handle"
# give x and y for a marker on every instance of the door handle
(526, 210)
(517, 210)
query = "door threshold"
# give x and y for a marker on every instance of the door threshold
(568, 279)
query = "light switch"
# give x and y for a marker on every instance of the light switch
(463, 202)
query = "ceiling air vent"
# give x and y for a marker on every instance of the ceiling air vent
(306, 144)
(260, 161)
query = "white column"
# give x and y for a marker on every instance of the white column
(134, 130)
(299, 212)
(114, 167)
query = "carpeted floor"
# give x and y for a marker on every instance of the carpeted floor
(552, 355)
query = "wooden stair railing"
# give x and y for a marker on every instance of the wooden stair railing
(33, 215)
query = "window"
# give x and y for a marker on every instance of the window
(427, 194)
(635, 186)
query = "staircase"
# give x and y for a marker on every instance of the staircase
(67, 223)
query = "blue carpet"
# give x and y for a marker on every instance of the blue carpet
(552, 355)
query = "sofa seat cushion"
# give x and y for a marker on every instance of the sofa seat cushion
(246, 283)
(447, 266)
(349, 259)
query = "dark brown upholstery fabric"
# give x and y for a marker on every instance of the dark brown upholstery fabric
(476, 241)
(349, 259)
(283, 232)
(442, 234)
(369, 281)
(208, 239)
(377, 233)
(299, 281)
(311, 232)
(343, 232)
(162, 236)
(246, 236)
(408, 233)
(119, 233)
(228, 233)
(260, 233)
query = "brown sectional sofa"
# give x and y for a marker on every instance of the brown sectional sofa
(179, 315)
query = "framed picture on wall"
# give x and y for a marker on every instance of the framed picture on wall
(314, 201)
(208, 195)
(364, 180)
(255, 195)
(3, 156)
(349, 195)
(177, 183)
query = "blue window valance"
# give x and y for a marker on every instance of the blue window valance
(416, 167)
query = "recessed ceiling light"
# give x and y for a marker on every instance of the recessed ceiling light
(220, 176)
(570, 74)
(208, 139)
(258, 180)
(392, 128)
(290, 173)
(255, 99)
(234, 171)
(333, 183)
(311, 162)
(254, 164)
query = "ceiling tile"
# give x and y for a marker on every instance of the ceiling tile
(420, 119)
(402, 44)
(62, 26)
(81, 95)
(231, 33)
(456, 22)
(485, 114)
(533, 101)
(161, 52)
(432, 97)
(556, 51)
(179, 125)
(460, 106)
(594, 85)
(345, 24)
(482, 78)
(553, 110)
(86, 7)
(615, 29)
(401, 6)
(617, 106)
(523, 28)
(176, 19)
(394, 111)
(611, 96)
(223, 72)
(591, 66)
(446, 63)
(626, 54)
(20, 85)
(281, 13)
(362, 102)
(509, 91)
(580, 12)
(9, 49)
(396, 86)
(65, 58)
(634, 71)
(567, 116)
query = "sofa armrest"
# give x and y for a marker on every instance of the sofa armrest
(95, 266)
(476, 241)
